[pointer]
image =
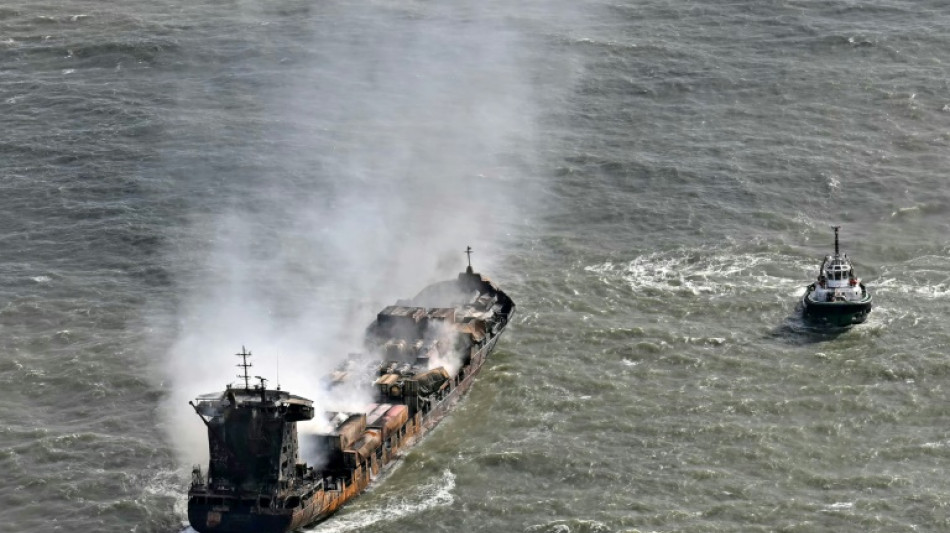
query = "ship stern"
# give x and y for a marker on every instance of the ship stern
(213, 517)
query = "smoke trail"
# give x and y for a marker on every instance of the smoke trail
(393, 141)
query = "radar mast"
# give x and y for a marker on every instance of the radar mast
(244, 354)
(836, 238)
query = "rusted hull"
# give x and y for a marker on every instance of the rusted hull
(416, 428)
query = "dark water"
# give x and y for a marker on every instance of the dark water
(654, 184)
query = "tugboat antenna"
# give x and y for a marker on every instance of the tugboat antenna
(836, 238)
(468, 252)
(245, 365)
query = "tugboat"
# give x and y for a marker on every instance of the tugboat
(423, 356)
(837, 298)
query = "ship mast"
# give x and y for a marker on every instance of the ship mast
(836, 239)
(468, 252)
(245, 365)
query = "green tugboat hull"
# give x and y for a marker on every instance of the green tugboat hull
(835, 314)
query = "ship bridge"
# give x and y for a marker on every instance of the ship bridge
(837, 271)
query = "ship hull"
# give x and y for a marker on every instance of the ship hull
(226, 519)
(835, 314)
(417, 428)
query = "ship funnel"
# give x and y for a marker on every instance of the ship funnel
(263, 387)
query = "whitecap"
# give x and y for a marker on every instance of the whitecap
(940, 290)
(903, 211)
(568, 526)
(436, 494)
(699, 272)
(839, 506)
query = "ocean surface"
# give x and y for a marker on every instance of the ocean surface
(653, 182)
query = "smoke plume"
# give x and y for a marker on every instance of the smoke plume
(389, 142)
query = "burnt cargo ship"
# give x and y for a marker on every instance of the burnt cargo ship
(422, 356)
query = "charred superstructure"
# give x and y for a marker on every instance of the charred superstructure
(422, 356)
(254, 476)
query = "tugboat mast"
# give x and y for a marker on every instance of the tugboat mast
(245, 365)
(836, 239)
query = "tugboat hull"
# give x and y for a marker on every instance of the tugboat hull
(835, 314)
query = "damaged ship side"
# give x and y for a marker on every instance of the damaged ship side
(426, 353)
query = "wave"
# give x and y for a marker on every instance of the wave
(438, 493)
(699, 272)
(573, 525)
(899, 286)
(926, 276)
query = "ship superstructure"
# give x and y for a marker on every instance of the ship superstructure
(422, 356)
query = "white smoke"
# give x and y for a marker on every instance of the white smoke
(397, 141)
(445, 354)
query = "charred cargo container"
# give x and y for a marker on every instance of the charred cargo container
(423, 355)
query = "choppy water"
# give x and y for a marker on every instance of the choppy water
(653, 182)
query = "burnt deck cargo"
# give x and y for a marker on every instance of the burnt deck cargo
(425, 354)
